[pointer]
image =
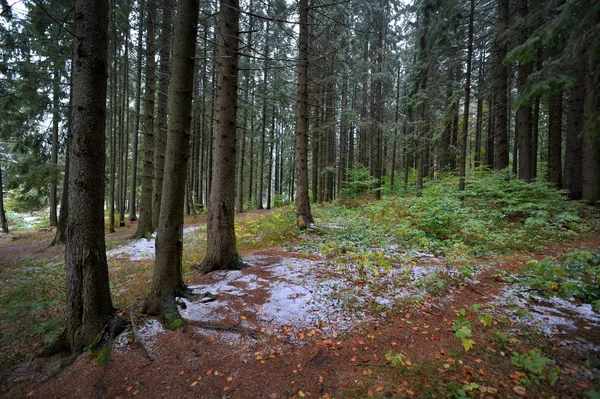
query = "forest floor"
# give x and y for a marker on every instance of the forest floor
(294, 324)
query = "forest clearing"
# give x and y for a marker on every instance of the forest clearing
(380, 300)
(299, 198)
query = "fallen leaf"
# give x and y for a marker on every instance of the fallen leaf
(29, 393)
(229, 379)
(243, 317)
(135, 392)
(226, 388)
(129, 388)
(301, 394)
(379, 388)
(273, 396)
(193, 384)
(199, 378)
(209, 372)
(181, 372)
(216, 372)
(519, 390)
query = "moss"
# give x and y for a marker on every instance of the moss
(173, 321)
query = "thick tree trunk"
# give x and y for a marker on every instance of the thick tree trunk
(573, 152)
(221, 251)
(303, 214)
(145, 227)
(167, 280)
(591, 137)
(136, 120)
(160, 132)
(501, 89)
(89, 305)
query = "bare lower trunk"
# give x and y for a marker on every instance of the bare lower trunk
(303, 214)
(167, 280)
(221, 251)
(145, 226)
(89, 306)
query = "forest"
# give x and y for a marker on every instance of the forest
(309, 198)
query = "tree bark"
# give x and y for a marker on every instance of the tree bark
(54, 152)
(573, 151)
(89, 306)
(462, 166)
(221, 251)
(591, 138)
(3, 220)
(555, 115)
(303, 213)
(167, 279)
(136, 120)
(501, 89)
(160, 132)
(145, 227)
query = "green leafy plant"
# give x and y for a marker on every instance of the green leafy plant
(535, 365)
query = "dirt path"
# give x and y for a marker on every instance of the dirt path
(231, 350)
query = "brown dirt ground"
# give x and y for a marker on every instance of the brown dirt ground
(191, 365)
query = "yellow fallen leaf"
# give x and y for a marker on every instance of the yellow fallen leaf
(181, 372)
(29, 393)
(229, 379)
(216, 372)
(243, 317)
(301, 394)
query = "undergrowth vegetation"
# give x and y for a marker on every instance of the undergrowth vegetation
(444, 230)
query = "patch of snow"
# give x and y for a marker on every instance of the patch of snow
(551, 316)
(301, 295)
(149, 332)
(142, 249)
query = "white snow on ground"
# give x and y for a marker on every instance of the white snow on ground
(142, 249)
(301, 295)
(554, 317)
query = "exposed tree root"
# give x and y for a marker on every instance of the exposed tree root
(136, 336)
(241, 330)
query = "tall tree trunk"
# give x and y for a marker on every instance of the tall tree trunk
(124, 132)
(462, 166)
(573, 151)
(378, 104)
(160, 133)
(240, 181)
(167, 279)
(591, 137)
(523, 116)
(489, 148)
(261, 173)
(3, 220)
(303, 214)
(54, 152)
(221, 251)
(501, 89)
(555, 115)
(136, 120)
(535, 135)
(479, 121)
(89, 305)
(395, 140)
(145, 226)
(343, 153)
